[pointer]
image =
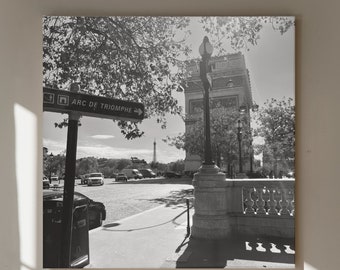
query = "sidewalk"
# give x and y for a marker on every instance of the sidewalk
(157, 239)
(146, 240)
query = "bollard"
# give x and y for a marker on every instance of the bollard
(188, 219)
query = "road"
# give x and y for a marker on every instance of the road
(123, 199)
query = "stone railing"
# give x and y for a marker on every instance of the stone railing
(262, 206)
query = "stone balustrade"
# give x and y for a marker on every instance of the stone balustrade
(261, 206)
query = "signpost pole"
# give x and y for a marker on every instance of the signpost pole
(70, 169)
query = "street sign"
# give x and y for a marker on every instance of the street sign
(77, 104)
(88, 105)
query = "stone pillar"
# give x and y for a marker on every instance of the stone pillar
(210, 220)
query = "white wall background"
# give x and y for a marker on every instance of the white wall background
(317, 98)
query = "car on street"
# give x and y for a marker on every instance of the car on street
(46, 183)
(121, 177)
(84, 179)
(95, 179)
(171, 174)
(96, 210)
(132, 173)
(147, 173)
(54, 180)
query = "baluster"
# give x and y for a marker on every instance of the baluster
(293, 203)
(284, 203)
(289, 199)
(260, 203)
(293, 206)
(249, 202)
(272, 203)
(266, 199)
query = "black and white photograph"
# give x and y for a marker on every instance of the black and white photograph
(168, 142)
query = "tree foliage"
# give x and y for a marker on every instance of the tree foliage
(176, 166)
(223, 135)
(242, 32)
(136, 58)
(54, 165)
(104, 165)
(86, 165)
(129, 58)
(276, 120)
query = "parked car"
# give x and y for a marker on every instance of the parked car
(132, 173)
(172, 175)
(46, 183)
(54, 178)
(96, 210)
(121, 177)
(95, 179)
(147, 173)
(84, 179)
(54, 181)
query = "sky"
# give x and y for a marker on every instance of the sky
(272, 74)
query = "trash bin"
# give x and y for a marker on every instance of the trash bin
(52, 214)
(80, 236)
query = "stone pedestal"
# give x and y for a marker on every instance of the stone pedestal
(210, 220)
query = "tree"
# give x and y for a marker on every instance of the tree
(276, 122)
(86, 165)
(111, 163)
(54, 165)
(123, 163)
(177, 166)
(242, 32)
(223, 135)
(129, 58)
(135, 58)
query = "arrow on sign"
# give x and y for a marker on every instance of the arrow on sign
(139, 111)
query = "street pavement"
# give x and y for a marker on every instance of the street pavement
(157, 238)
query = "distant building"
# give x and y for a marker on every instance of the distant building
(230, 89)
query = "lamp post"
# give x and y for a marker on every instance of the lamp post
(210, 220)
(205, 51)
(251, 154)
(239, 138)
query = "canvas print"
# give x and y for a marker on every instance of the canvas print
(168, 142)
